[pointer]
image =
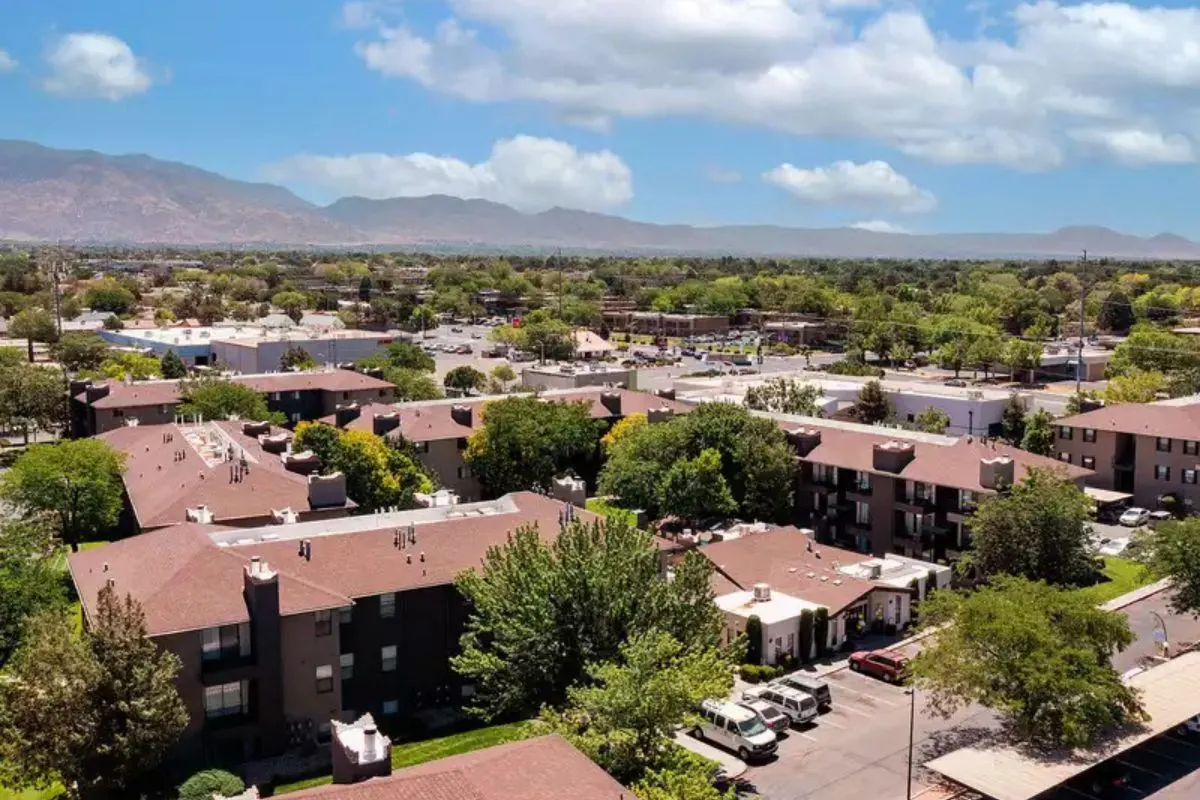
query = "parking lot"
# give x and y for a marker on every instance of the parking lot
(1148, 770)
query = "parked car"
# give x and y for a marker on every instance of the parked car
(812, 685)
(736, 728)
(958, 382)
(771, 716)
(1190, 727)
(1134, 517)
(799, 707)
(456, 329)
(887, 665)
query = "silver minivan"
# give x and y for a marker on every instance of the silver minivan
(799, 706)
(735, 728)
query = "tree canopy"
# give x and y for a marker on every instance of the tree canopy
(873, 406)
(465, 378)
(1172, 551)
(216, 398)
(1038, 436)
(80, 351)
(172, 366)
(379, 474)
(32, 397)
(29, 581)
(785, 396)
(694, 488)
(296, 357)
(1037, 655)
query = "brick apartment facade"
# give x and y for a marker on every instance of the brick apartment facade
(439, 429)
(878, 490)
(97, 408)
(1148, 451)
(283, 628)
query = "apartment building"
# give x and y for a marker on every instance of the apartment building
(1147, 451)
(284, 628)
(439, 429)
(241, 474)
(108, 405)
(884, 490)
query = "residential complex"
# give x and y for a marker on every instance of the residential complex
(281, 629)
(97, 407)
(240, 474)
(1147, 451)
(439, 428)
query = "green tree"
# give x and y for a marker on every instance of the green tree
(872, 407)
(1012, 420)
(984, 351)
(412, 385)
(932, 420)
(525, 442)
(318, 438)
(1135, 386)
(114, 323)
(215, 398)
(1038, 531)
(954, 355)
(79, 351)
(623, 715)
(77, 484)
(1039, 433)
(539, 334)
(623, 427)
(172, 366)
(378, 476)
(1037, 655)
(541, 611)
(422, 318)
(297, 358)
(110, 295)
(499, 378)
(106, 719)
(32, 398)
(401, 355)
(694, 488)
(203, 785)
(33, 325)
(291, 303)
(465, 378)
(133, 366)
(1172, 551)
(689, 778)
(754, 639)
(785, 396)
(1116, 313)
(29, 581)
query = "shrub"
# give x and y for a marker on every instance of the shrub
(751, 673)
(806, 634)
(821, 630)
(203, 785)
(753, 640)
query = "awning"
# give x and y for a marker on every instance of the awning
(1105, 496)
(1170, 694)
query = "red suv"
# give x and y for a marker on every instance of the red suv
(887, 665)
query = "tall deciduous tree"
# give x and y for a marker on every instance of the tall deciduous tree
(1116, 312)
(75, 483)
(96, 712)
(1038, 531)
(933, 420)
(297, 358)
(1012, 420)
(79, 351)
(1037, 655)
(32, 397)
(33, 325)
(29, 582)
(378, 475)
(1135, 386)
(215, 398)
(1173, 551)
(1039, 433)
(694, 488)
(785, 396)
(541, 612)
(465, 378)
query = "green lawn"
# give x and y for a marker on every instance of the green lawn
(1123, 576)
(411, 754)
(601, 506)
(30, 794)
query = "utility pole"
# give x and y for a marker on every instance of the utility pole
(912, 723)
(1082, 303)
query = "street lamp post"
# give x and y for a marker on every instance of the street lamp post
(912, 719)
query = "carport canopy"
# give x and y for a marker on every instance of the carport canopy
(1106, 496)
(1170, 694)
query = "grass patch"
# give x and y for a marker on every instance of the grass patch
(31, 794)
(601, 506)
(413, 753)
(1123, 576)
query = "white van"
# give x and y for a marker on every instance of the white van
(798, 705)
(735, 728)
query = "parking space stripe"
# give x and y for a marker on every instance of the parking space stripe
(806, 736)
(830, 723)
(1125, 763)
(852, 710)
(866, 694)
(1159, 754)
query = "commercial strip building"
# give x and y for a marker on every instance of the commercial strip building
(241, 474)
(778, 574)
(1147, 451)
(281, 629)
(439, 429)
(575, 376)
(681, 325)
(883, 490)
(97, 407)
(251, 348)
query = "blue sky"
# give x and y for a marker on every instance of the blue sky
(922, 115)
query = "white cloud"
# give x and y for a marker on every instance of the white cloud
(7, 62)
(526, 172)
(1135, 146)
(879, 72)
(872, 184)
(879, 226)
(95, 65)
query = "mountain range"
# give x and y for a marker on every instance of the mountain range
(85, 197)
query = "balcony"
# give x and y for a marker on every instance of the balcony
(232, 666)
(916, 504)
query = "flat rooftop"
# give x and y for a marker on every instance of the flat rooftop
(247, 334)
(736, 386)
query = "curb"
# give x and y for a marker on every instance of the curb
(1137, 595)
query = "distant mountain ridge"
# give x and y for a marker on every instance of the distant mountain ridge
(82, 196)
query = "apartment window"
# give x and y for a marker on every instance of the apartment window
(324, 679)
(1191, 448)
(226, 700)
(791, 643)
(383, 393)
(966, 499)
(391, 707)
(347, 662)
(464, 471)
(912, 525)
(862, 513)
(1189, 476)
(1162, 445)
(295, 395)
(1089, 434)
(118, 412)
(387, 657)
(1065, 433)
(345, 395)
(387, 604)
(324, 622)
(227, 641)
(462, 443)
(164, 409)
(421, 447)
(1065, 458)
(275, 396)
(1088, 462)
(345, 615)
(324, 731)
(1162, 473)
(862, 481)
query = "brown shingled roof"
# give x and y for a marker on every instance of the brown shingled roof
(1174, 422)
(185, 581)
(161, 489)
(432, 421)
(780, 559)
(545, 768)
(166, 392)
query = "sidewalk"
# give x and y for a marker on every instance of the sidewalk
(1137, 595)
(732, 767)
